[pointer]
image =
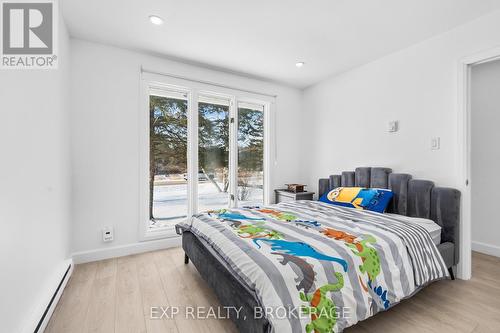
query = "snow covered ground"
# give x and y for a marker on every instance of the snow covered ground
(170, 201)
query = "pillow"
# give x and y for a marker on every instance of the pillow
(373, 199)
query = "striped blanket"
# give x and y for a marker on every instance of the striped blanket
(316, 267)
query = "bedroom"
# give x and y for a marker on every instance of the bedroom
(144, 116)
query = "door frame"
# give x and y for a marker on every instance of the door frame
(464, 267)
(193, 88)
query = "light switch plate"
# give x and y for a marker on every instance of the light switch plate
(393, 126)
(435, 143)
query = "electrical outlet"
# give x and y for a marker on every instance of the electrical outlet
(107, 234)
(435, 143)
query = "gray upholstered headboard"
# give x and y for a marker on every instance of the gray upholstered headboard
(412, 197)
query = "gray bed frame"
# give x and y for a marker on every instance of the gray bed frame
(412, 197)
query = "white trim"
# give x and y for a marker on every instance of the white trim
(464, 265)
(47, 294)
(492, 250)
(464, 270)
(143, 130)
(210, 83)
(483, 56)
(269, 144)
(125, 250)
(192, 152)
(233, 153)
(160, 233)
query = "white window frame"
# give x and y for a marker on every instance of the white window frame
(193, 89)
(268, 140)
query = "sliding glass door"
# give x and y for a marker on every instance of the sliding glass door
(213, 152)
(206, 151)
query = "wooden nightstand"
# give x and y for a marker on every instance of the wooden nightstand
(284, 195)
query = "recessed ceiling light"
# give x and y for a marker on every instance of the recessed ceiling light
(299, 64)
(156, 19)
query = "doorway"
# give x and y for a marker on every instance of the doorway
(464, 161)
(485, 156)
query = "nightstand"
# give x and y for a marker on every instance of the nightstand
(284, 195)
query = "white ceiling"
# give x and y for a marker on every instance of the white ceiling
(265, 38)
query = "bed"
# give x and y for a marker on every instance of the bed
(258, 259)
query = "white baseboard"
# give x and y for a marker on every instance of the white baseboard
(45, 306)
(125, 250)
(492, 250)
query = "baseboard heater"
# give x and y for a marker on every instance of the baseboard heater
(52, 300)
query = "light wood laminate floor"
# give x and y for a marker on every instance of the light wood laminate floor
(116, 295)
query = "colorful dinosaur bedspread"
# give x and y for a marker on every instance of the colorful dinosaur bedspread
(320, 268)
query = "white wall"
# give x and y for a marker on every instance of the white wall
(485, 161)
(34, 190)
(105, 96)
(346, 116)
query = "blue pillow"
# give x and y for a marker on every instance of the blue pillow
(373, 199)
